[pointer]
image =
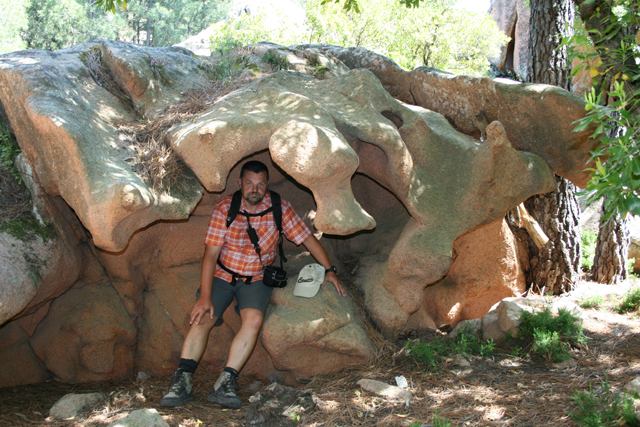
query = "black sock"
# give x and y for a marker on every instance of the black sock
(231, 371)
(188, 365)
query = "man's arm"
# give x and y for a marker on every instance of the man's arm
(204, 303)
(314, 246)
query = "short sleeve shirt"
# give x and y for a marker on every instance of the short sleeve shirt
(238, 253)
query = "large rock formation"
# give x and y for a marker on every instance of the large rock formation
(395, 187)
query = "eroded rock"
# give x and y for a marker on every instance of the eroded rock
(66, 125)
(87, 335)
(313, 336)
(537, 118)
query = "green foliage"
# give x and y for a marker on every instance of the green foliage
(56, 24)
(591, 302)
(27, 227)
(9, 150)
(277, 62)
(350, 5)
(611, 104)
(589, 241)
(628, 265)
(431, 353)
(440, 422)
(630, 301)
(552, 336)
(603, 407)
(12, 19)
(437, 422)
(249, 29)
(437, 35)
(110, 5)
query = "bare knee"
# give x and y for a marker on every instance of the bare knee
(251, 319)
(205, 325)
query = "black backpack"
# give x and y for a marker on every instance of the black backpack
(273, 276)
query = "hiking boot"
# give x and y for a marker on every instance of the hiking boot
(180, 389)
(224, 391)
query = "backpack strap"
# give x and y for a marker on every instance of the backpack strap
(276, 204)
(234, 208)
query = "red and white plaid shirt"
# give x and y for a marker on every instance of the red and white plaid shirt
(238, 253)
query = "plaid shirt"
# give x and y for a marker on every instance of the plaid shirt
(238, 254)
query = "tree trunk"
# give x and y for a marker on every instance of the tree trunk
(555, 267)
(550, 20)
(612, 251)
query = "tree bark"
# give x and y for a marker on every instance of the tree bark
(550, 20)
(612, 248)
(554, 267)
(612, 251)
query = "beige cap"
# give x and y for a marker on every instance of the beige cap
(309, 280)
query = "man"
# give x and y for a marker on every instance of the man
(229, 250)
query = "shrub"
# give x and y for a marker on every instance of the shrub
(589, 240)
(431, 353)
(552, 336)
(591, 302)
(630, 301)
(602, 407)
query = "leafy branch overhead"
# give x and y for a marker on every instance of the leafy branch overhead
(605, 45)
(110, 5)
(353, 4)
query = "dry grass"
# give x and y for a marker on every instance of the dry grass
(153, 158)
(499, 391)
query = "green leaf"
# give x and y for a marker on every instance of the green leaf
(600, 168)
(636, 166)
(583, 123)
(634, 204)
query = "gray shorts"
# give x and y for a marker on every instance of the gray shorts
(254, 295)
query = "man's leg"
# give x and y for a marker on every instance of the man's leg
(245, 340)
(195, 343)
(224, 390)
(253, 301)
(181, 387)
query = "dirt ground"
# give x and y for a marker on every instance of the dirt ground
(501, 390)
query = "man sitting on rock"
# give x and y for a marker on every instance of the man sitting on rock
(231, 267)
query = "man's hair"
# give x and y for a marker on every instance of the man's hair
(255, 167)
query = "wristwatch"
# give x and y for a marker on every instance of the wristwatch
(332, 269)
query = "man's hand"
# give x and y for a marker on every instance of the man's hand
(333, 278)
(200, 308)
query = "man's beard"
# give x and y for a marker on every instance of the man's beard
(254, 199)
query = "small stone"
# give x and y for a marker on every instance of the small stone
(72, 404)
(633, 386)
(491, 327)
(472, 326)
(254, 386)
(383, 389)
(142, 376)
(461, 361)
(566, 364)
(141, 418)
(509, 317)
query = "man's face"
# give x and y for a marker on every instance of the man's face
(253, 187)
